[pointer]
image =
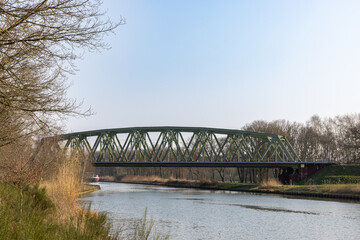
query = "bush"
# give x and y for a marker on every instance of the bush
(341, 179)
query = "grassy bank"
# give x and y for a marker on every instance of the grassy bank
(342, 190)
(335, 174)
(27, 212)
(87, 188)
(332, 190)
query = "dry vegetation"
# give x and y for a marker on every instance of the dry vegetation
(63, 187)
(45, 189)
(61, 176)
(143, 179)
(169, 181)
(344, 188)
(107, 179)
(270, 183)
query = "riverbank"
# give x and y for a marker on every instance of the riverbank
(27, 212)
(88, 188)
(326, 191)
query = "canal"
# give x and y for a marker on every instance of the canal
(200, 214)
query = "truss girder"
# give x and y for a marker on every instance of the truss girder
(181, 144)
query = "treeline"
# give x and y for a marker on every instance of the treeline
(319, 139)
(240, 174)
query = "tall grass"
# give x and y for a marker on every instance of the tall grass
(145, 230)
(270, 183)
(39, 199)
(28, 213)
(343, 188)
(132, 178)
(63, 188)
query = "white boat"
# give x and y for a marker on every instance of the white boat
(94, 178)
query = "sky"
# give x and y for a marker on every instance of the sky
(221, 64)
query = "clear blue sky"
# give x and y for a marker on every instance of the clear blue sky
(221, 64)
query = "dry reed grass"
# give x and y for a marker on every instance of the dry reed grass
(344, 189)
(270, 183)
(107, 179)
(176, 180)
(63, 188)
(206, 182)
(171, 180)
(132, 178)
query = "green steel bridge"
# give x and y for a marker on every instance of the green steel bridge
(181, 147)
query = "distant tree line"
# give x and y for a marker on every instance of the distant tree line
(330, 139)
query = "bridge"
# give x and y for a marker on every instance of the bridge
(185, 147)
(180, 146)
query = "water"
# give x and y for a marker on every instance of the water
(200, 214)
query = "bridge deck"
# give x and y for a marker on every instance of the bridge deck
(210, 164)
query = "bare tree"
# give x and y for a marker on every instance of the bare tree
(39, 40)
(352, 143)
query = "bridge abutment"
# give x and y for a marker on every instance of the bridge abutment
(300, 172)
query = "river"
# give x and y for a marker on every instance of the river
(200, 214)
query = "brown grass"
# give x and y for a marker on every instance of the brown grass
(107, 179)
(177, 180)
(270, 183)
(141, 179)
(344, 189)
(205, 182)
(172, 180)
(63, 188)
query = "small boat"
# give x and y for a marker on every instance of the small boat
(94, 178)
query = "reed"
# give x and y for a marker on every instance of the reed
(172, 179)
(145, 230)
(107, 178)
(63, 188)
(270, 183)
(132, 178)
(344, 188)
(26, 212)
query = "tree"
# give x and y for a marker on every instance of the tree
(352, 143)
(39, 41)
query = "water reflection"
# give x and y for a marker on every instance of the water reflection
(199, 214)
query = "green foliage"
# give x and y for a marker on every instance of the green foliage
(89, 226)
(341, 179)
(23, 213)
(38, 197)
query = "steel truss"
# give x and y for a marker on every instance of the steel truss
(179, 145)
